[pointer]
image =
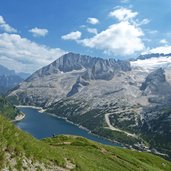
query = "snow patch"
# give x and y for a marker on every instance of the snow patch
(152, 63)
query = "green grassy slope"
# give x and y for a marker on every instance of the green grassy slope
(7, 109)
(70, 153)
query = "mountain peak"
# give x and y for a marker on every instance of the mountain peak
(155, 82)
(74, 62)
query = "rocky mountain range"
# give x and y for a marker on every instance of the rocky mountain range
(8, 79)
(125, 101)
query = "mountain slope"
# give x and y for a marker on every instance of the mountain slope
(7, 109)
(57, 80)
(134, 95)
(20, 151)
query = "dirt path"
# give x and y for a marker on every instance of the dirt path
(116, 129)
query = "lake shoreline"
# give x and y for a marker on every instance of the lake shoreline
(113, 143)
(19, 117)
(41, 110)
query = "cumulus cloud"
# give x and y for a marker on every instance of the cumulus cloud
(6, 27)
(93, 21)
(144, 21)
(92, 30)
(163, 41)
(161, 49)
(124, 37)
(72, 36)
(152, 32)
(38, 32)
(24, 55)
(120, 39)
(123, 14)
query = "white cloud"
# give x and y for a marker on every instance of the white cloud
(152, 32)
(24, 55)
(144, 22)
(163, 41)
(123, 14)
(93, 21)
(6, 27)
(122, 38)
(72, 36)
(119, 39)
(37, 32)
(124, 1)
(161, 49)
(92, 30)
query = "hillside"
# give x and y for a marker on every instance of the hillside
(7, 109)
(20, 151)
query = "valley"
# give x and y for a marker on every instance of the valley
(20, 151)
(84, 89)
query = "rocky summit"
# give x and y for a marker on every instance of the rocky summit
(125, 101)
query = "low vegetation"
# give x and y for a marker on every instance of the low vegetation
(7, 109)
(20, 151)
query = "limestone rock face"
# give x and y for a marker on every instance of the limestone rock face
(65, 77)
(155, 83)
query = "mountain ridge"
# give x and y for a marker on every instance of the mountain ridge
(71, 61)
(9, 79)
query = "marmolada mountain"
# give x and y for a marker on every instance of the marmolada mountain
(124, 101)
(85, 85)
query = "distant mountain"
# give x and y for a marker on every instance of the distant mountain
(8, 79)
(153, 55)
(8, 82)
(120, 100)
(6, 71)
(23, 75)
(150, 62)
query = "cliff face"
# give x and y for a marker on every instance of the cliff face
(96, 67)
(65, 77)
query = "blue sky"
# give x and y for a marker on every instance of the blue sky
(34, 33)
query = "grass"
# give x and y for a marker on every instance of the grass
(6, 109)
(82, 153)
(88, 155)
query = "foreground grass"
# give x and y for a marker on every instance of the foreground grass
(20, 144)
(88, 155)
(81, 153)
